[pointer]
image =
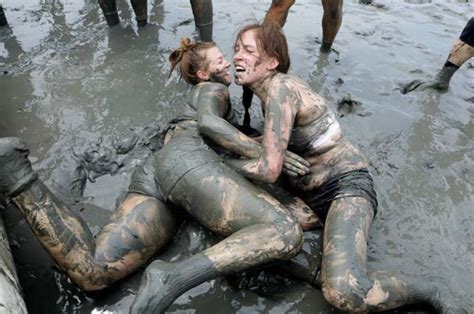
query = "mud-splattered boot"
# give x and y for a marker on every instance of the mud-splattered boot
(163, 282)
(202, 11)
(15, 168)
(140, 9)
(3, 19)
(444, 77)
(109, 8)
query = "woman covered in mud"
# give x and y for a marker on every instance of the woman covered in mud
(190, 175)
(259, 228)
(339, 187)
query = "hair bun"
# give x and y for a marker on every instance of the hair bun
(186, 44)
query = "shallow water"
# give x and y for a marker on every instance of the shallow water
(67, 79)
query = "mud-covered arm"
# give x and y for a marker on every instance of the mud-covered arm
(213, 105)
(280, 114)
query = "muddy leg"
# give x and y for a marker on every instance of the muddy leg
(260, 229)
(306, 265)
(202, 11)
(141, 14)
(3, 18)
(138, 227)
(345, 281)
(462, 50)
(332, 19)
(278, 11)
(109, 8)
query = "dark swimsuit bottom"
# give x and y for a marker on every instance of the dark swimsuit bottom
(188, 152)
(467, 34)
(185, 153)
(356, 183)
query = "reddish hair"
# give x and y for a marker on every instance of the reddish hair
(190, 58)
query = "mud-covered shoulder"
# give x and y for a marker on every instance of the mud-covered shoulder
(286, 83)
(285, 90)
(212, 88)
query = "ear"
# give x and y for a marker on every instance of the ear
(272, 64)
(202, 75)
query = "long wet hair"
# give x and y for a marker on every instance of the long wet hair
(270, 41)
(190, 58)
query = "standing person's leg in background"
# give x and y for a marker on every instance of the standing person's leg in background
(462, 50)
(332, 19)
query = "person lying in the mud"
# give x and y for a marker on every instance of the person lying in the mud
(142, 222)
(258, 227)
(138, 227)
(462, 50)
(339, 187)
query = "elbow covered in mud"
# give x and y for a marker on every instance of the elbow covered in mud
(269, 173)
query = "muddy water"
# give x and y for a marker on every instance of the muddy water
(67, 79)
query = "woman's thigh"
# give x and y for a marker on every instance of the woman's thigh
(345, 240)
(194, 177)
(224, 201)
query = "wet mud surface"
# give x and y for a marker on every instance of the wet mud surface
(67, 81)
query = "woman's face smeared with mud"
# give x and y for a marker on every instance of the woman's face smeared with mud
(218, 68)
(251, 65)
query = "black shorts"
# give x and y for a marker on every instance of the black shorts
(357, 183)
(467, 34)
(185, 152)
(143, 181)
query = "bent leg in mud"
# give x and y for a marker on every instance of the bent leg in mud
(140, 225)
(346, 284)
(260, 229)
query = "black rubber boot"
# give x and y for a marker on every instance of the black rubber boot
(163, 282)
(15, 168)
(3, 19)
(140, 9)
(109, 8)
(112, 18)
(444, 77)
(202, 11)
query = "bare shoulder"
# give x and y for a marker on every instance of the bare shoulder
(215, 88)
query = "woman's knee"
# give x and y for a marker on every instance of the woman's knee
(332, 10)
(291, 235)
(333, 14)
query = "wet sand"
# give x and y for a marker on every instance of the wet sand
(66, 79)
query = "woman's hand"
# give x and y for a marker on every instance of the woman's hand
(295, 165)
